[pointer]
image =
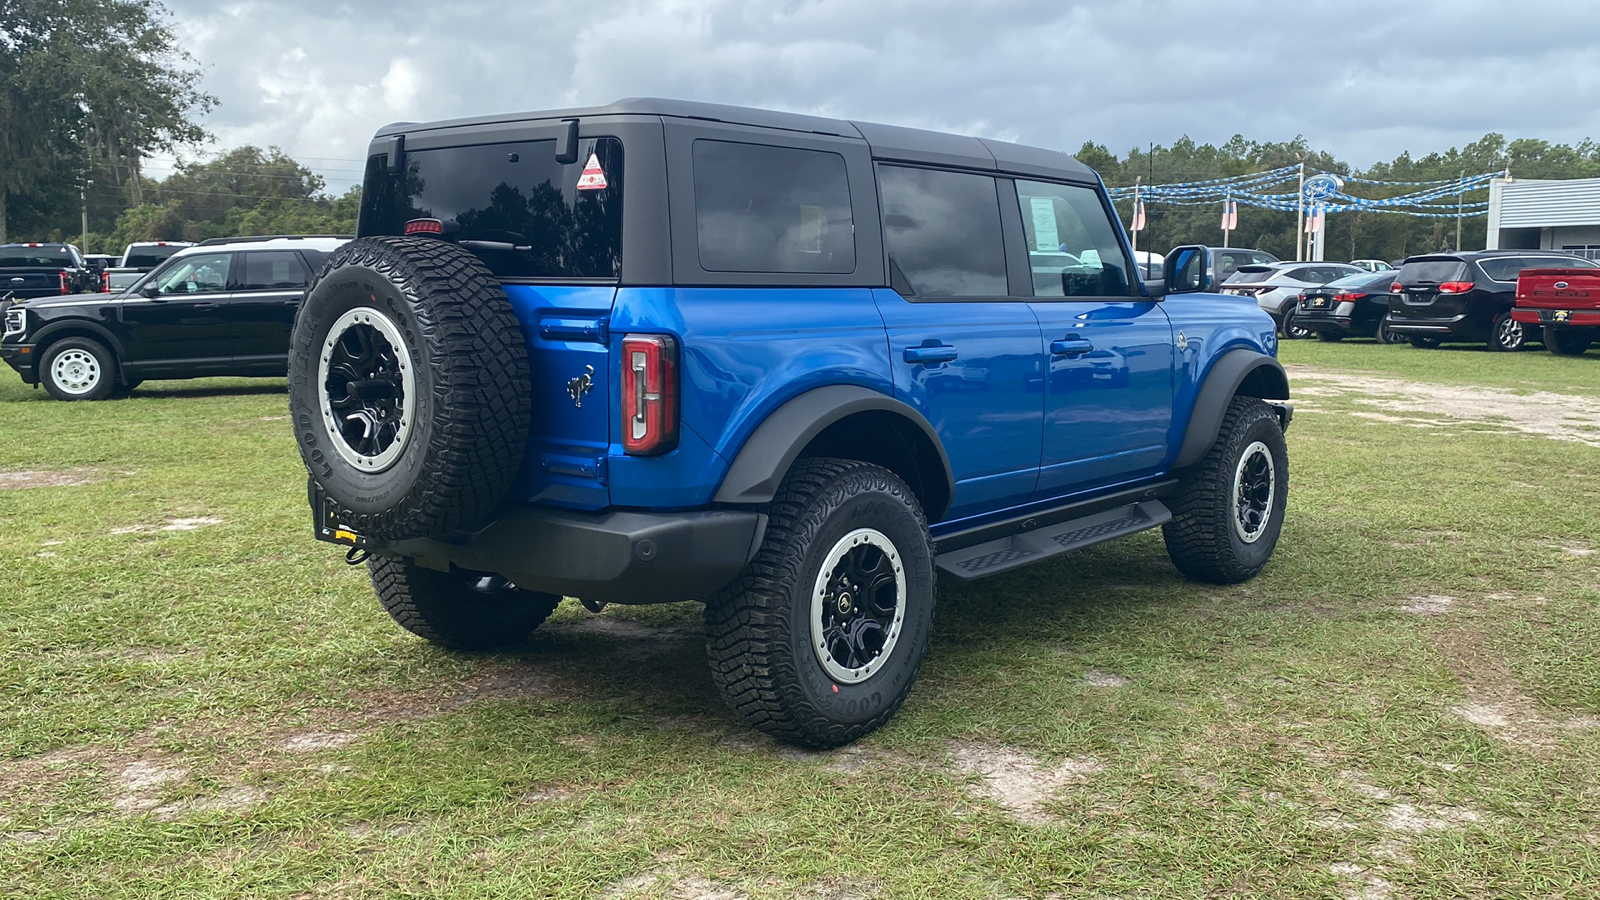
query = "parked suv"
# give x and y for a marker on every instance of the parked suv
(221, 308)
(662, 351)
(1225, 261)
(1466, 296)
(43, 270)
(1277, 287)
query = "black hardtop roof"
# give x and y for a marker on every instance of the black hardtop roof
(886, 141)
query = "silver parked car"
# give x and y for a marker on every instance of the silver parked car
(1277, 288)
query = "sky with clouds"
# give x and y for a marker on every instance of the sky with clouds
(1363, 80)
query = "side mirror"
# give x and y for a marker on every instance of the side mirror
(1188, 270)
(151, 291)
(1155, 288)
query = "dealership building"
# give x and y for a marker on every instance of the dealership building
(1545, 215)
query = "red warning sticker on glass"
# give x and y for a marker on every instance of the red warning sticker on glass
(593, 177)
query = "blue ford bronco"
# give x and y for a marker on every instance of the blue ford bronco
(787, 366)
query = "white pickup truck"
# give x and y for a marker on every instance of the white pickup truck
(137, 259)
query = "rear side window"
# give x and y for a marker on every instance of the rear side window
(1506, 268)
(24, 257)
(1433, 271)
(521, 212)
(772, 209)
(272, 270)
(1072, 249)
(943, 230)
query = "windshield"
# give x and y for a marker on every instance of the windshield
(148, 257)
(34, 257)
(521, 212)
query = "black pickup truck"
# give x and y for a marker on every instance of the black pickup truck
(44, 270)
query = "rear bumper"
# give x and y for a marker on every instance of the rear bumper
(1577, 318)
(612, 557)
(20, 357)
(1461, 326)
(1320, 321)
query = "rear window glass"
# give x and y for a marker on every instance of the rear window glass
(943, 230)
(521, 212)
(772, 209)
(1505, 268)
(148, 257)
(1432, 271)
(1248, 275)
(24, 257)
(1353, 282)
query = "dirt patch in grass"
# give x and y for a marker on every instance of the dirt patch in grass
(1547, 414)
(140, 785)
(174, 524)
(1428, 604)
(1018, 782)
(1099, 679)
(21, 480)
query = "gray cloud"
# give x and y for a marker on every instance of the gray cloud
(1362, 79)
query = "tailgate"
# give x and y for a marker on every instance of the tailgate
(1425, 301)
(567, 329)
(1558, 289)
(33, 281)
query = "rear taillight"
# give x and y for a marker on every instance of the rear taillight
(105, 282)
(1347, 298)
(649, 394)
(1455, 287)
(66, 283)
(424, 226)
(1300, 297)
(1396, 288)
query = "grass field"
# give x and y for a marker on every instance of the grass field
(202, 701)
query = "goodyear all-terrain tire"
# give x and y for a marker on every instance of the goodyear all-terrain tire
(408, 387)
(1568, 341)
(820, 638)
(1228, 510)
(457, 609)
(78, 368)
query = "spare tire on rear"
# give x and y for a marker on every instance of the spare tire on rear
(409, 387)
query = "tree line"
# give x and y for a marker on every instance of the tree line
(90, 89)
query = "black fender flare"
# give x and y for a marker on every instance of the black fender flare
(51, 332)
(1222, 383)
(777, 442)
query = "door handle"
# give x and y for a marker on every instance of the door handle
(930, 353)
(1072, 346)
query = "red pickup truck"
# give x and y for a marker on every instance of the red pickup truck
(1566, 302)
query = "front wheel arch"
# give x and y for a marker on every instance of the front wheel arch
(1239, 372)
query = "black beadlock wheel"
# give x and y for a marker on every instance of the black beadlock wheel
(409, 387)
(1506, 335)
(1228, 509)
(819, 640)
(1568, 341)
(457, 609)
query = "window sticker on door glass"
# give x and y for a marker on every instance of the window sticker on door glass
(1045, 237)
(813, 221)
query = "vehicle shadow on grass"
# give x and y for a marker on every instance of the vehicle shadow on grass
(150, 391)
(650, 662)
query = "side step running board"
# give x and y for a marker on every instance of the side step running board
(1004, 554)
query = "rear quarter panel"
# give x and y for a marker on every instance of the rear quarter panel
(743, 352)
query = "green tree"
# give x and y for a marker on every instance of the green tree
(88, 85)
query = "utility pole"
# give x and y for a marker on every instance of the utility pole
(83, 201)
(1460, 190)
(1300, 216)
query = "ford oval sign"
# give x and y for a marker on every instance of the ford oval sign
(1561, 285)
